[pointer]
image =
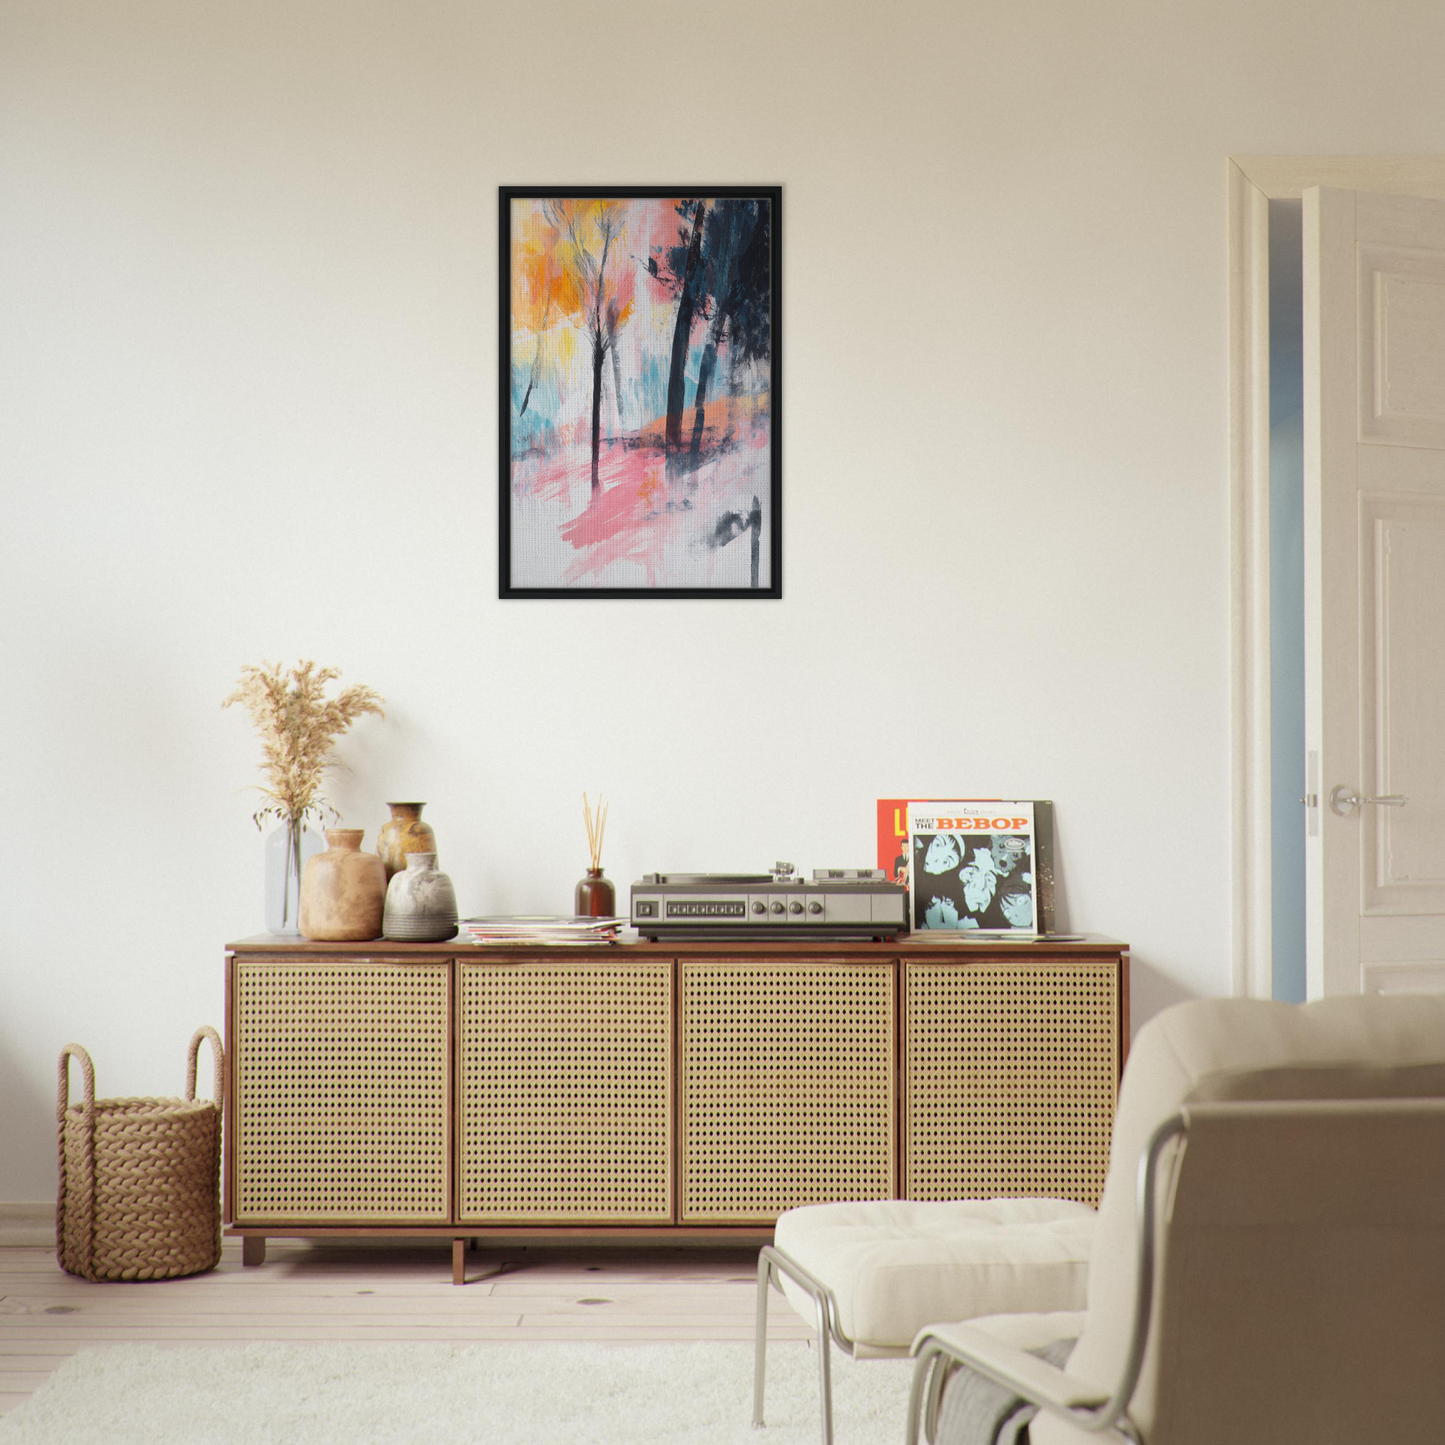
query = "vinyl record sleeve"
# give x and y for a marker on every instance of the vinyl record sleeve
(895, 858)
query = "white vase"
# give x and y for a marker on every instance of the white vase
(287, 849)
(421, 904)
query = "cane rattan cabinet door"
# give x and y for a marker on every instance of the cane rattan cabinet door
(342, 1084)
(565, 1080)
(788, 1094)
(1010, 1078)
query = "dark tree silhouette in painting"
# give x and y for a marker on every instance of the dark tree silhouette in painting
(736, 291)
(749, 313)
(682, 273)
(590, 233)
(719, 272)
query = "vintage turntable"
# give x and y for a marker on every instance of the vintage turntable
(834, 903)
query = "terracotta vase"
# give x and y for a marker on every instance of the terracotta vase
(421, 904)
(595, 897)
(343, 890)
(404, 833)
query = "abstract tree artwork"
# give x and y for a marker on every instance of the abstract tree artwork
(639, 398)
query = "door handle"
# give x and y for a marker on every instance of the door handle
(1344, 800)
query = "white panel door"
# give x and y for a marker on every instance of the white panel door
(1374, 278)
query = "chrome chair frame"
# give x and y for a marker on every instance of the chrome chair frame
(771, 1264)
(937, 1358)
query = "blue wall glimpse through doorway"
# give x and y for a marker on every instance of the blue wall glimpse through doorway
(1286, 597)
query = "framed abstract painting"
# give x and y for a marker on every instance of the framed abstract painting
(640, 384)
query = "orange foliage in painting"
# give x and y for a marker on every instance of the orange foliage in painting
(543, 287)
(584, 232)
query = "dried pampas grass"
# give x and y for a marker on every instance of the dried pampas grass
(298, 724)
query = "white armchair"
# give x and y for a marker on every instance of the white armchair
(1269, 1259)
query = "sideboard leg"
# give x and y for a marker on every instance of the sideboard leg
(253, 1249)
(459, 1261)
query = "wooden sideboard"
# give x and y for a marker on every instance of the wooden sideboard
(657, 1091)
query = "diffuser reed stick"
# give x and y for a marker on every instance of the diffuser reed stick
(596, 822)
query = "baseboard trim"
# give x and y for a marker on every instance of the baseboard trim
(27, 1223)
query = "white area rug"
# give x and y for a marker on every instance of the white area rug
(490, 1394)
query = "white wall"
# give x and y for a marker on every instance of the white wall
(248, 285)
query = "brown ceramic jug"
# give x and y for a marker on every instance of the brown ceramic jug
(343, 890)
(403, 833)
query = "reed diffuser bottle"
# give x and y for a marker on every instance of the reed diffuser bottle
(595, 896)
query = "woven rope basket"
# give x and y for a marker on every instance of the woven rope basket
(139, 1178)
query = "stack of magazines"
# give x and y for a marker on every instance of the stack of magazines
(524, 928)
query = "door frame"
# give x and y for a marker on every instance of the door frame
(1252, 182)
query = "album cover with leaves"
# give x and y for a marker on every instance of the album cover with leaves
(981, 865)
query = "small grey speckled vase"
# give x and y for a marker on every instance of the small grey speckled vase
(421, 904)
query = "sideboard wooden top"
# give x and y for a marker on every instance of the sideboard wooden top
(906, 945)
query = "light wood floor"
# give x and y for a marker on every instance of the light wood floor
(381, 1292)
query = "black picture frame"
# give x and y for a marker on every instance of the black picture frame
(769, 529)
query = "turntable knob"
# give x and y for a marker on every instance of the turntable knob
(815, 907)
(777, 908)
(760, 907)
(795, 907)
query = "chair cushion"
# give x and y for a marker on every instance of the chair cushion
(896, 1265)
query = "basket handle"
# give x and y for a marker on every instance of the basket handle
(87, 1070)
(218, 1055)
(84, 1186)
